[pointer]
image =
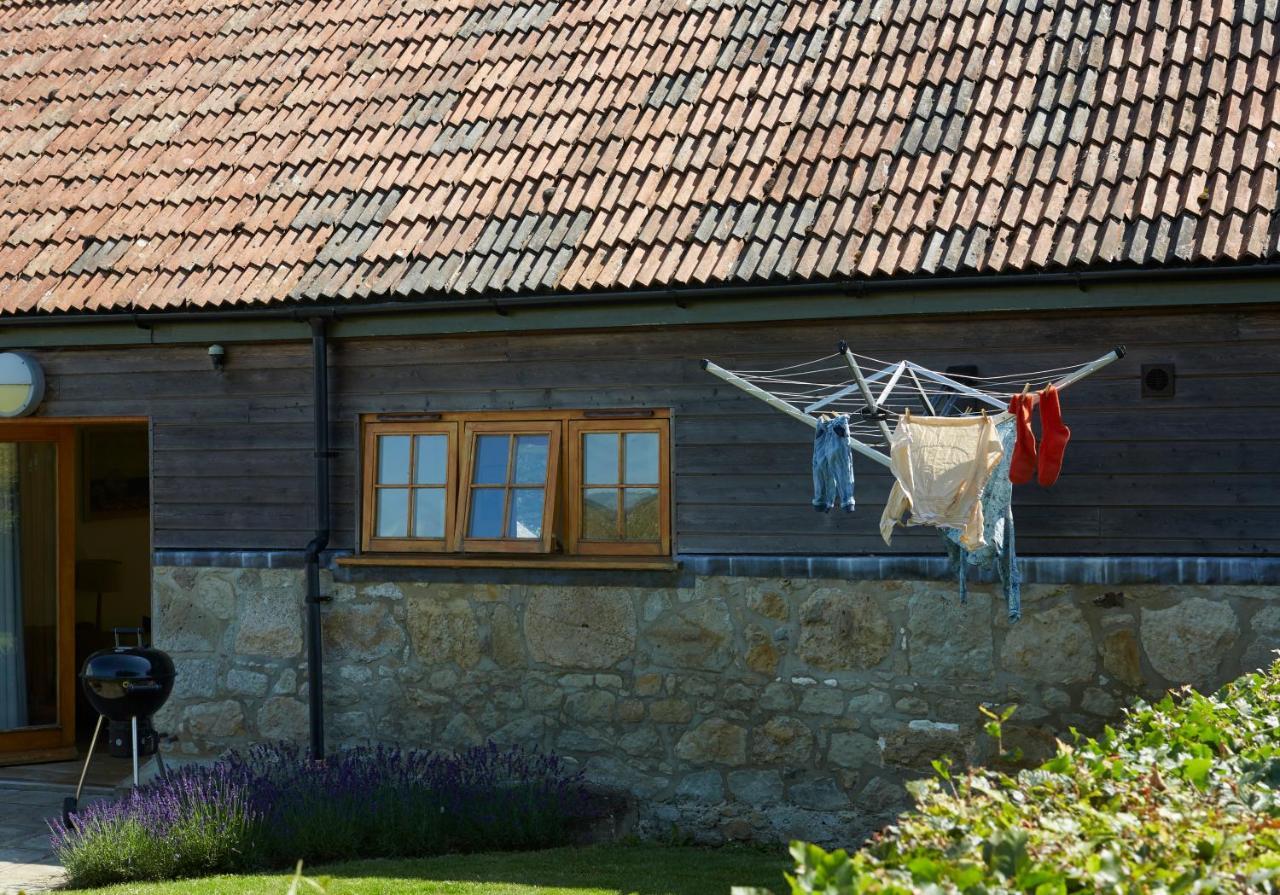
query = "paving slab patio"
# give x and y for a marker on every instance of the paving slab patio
(27, 863)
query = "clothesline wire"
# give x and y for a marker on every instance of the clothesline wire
(807, 383)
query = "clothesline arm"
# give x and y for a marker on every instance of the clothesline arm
(778, 404)
(1090, 368)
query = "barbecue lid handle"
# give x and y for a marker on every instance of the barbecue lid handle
(118, 631)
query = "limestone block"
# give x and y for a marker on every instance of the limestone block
(1267, 621)
(670, 711)
(648, 684)
(504, 637)
(215, 721)
(871, 702)
(704, 786)
(912, 705)
(1051, 645)
(1099, 702)
(842, 630)
(777, 696)
(756, 787)
(762, 656)
(1121, 657)
(442, 630)
(183, 624)
(270, 618)
(916, 744)
(1187, 642)
(1261, 653)
(527, 731)
(641, 742)
(287, 683)
(694, 635)
(783, 740)
(820, 795)
(580, 627)
(882, 796)
(768, 600)
(630, 711)
(592, 705)
(196, 678)
(823, 701)
(853, 750)
(461, 732)
(947, 638)
(543, 697)
(364, 632)
(714, 741)
(243, 682)
(283, 718)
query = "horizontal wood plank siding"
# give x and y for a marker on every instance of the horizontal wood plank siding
(1192, 475)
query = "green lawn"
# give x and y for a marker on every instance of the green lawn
(597, 870)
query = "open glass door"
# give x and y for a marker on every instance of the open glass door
(37, 609)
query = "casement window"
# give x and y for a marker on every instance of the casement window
(553, 482)
(410, 485)
(618, 496)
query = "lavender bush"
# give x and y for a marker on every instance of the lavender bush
(270, 806)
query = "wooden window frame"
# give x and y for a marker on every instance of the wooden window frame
(369, 503)
(561, 539)
(473, 428)
(575, 543)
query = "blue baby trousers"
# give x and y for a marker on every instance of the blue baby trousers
(833, 465)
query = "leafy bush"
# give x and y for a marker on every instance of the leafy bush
(270, 807)
(1184, 797)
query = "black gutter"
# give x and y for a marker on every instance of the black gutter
(679, 296)
(314, 550)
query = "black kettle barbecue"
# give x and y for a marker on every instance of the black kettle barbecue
(126, 685)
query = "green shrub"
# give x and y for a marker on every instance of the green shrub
(1184, 797)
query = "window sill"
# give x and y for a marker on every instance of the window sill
(509, 561)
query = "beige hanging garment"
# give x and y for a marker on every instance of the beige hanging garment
(941, 465)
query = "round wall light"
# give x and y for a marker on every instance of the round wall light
(21, 384)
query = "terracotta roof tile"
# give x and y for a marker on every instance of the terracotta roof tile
(170, 154)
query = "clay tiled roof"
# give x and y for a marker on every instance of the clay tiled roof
(171, 153)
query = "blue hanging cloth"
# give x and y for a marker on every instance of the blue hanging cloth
(997, 530)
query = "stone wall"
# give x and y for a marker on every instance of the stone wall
(730, 707)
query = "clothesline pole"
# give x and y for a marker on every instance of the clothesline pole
(778, 404)
(866, 391)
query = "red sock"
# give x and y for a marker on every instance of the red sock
(1053, 437)
(1022, 468)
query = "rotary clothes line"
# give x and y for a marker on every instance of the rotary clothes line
(950, 451)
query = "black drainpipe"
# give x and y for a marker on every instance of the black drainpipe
(320, 397)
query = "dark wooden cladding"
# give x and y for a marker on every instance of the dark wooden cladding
(1194, 474)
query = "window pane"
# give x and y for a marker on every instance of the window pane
(600, 514)
(641, 458)
(393, 459)
(428, 513)
(531, 459)
(393, 511)
(432, 461)
(491, 461)
(526, 513)
(600, 458)
(640, 514)
(486, 513)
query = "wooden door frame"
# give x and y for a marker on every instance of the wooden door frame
(60, 739)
